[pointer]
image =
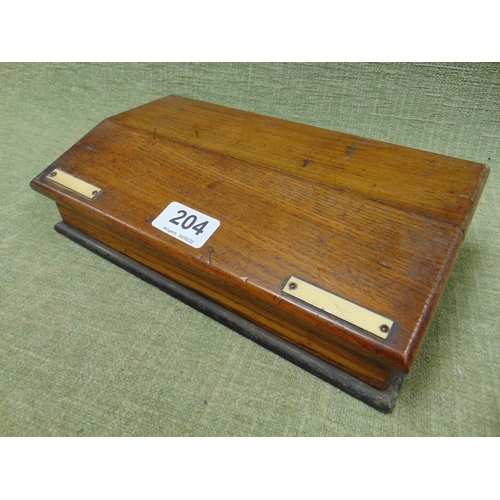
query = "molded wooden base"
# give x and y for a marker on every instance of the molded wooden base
(380, 400)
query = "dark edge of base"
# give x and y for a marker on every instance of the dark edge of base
(380, 400)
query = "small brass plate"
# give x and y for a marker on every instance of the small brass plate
(339, 307)
(71, 182)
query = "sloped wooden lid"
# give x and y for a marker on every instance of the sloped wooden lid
(376, 224)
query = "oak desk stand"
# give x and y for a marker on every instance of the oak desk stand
(329, 249)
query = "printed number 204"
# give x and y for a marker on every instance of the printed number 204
(188, 222)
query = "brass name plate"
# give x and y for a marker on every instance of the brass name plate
(339, 307)
(71, 182)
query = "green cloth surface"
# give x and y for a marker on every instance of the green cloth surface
(87, 349)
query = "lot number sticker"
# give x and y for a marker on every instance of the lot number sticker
(186, 224)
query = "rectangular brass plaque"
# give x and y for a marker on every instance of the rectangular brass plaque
(339, 307)
(71, 182)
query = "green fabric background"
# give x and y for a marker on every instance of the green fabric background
(88, 349)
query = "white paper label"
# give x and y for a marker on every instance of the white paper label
(186, 224)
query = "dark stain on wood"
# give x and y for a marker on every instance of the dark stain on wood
(349, 150)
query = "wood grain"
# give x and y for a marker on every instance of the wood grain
(376, 224)
(436, 185)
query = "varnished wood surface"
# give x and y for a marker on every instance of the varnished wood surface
(436, 185)
(390, 249)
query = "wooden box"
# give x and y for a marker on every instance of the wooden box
(330, 249)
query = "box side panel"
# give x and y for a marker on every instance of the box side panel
(287, 328)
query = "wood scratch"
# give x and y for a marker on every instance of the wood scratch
(215, 184)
